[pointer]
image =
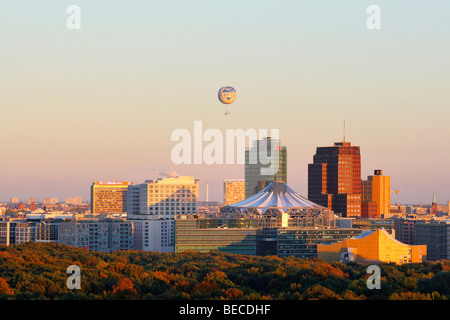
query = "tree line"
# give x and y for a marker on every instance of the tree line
(39, 271)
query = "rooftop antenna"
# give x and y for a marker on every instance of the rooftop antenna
(344, 130)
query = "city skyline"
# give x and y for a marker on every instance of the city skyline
(100, 103)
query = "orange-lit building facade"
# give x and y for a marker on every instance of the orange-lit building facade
(233, 191)
(373, 246)
(334, 178)
(109, 196)
(377, 189)
(368, 209)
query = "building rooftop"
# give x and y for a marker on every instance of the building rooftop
(277, 195)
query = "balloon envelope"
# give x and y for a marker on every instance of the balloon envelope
(227, 95)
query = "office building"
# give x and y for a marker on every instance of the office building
(404, 230)
(436, 236)
(152, 207)
(109, 196)
(369, 209)
(334, 178)
(163, 198)
(377, 189)
(372, 247)
(374, 224)
(236, 236)
(302, 242)
(233, 191)
(265, 162)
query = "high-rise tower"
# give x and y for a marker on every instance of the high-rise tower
(265, 162)
(334, 178)
(377, 189)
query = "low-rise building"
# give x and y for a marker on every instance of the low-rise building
(372, 247)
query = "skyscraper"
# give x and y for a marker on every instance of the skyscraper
(334, 178)
(109, 196)
(233, 191)
(377, 189)
(265, 162)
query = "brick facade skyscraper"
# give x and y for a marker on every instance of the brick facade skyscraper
(334, 178)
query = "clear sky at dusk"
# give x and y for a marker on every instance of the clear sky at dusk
(100, 103)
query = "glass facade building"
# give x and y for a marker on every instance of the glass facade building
(237, 236)
(302, 243)
(265, 162)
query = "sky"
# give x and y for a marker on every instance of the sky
(101, 102)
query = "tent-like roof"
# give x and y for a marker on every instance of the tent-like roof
(277, 195)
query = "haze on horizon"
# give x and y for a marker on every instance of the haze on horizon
(100, 103)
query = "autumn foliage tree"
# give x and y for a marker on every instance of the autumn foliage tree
(38, 271)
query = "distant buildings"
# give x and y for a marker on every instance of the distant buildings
(152, 207)
(259, 174)
(334, 178)
(233, 191)
(77, 201)
(433, 209)
(372, 247)
(109, 196)
(51, 201)
(377, 189)
(93, 232)
(275, 221)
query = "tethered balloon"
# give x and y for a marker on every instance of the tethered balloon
(227, 95)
